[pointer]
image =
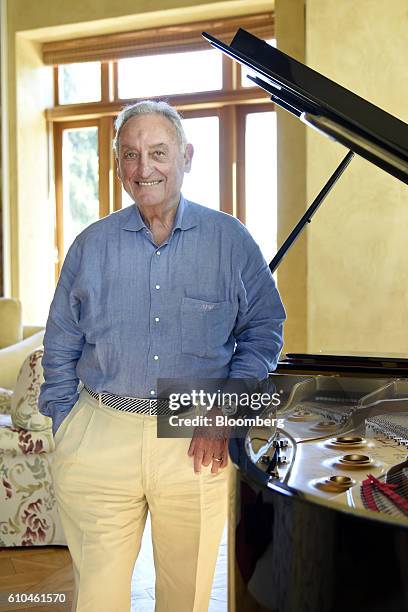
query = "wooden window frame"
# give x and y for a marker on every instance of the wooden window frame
(105, 132)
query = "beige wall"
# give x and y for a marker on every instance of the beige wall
(292, 272)
(36, 205)
(357, 289)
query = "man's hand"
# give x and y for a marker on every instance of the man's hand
(206, 449)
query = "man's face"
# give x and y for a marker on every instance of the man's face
(151, 162)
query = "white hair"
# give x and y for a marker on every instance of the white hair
(149, 107)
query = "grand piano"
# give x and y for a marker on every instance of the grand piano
(320, 519)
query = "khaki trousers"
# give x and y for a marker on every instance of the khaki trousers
(109, 470)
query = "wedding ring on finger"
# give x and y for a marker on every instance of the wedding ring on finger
(220, 459)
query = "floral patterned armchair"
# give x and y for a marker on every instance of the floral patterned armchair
(28, 511)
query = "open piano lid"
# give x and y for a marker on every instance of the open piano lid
(342, 115)
(359, 125)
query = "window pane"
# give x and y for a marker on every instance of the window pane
(172, 73)
(202, 183)
(244, 70)
(79, 82)
(80, 181)
(260, 180)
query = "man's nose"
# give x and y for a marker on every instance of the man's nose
(145, 167)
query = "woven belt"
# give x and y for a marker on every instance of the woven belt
(140, 405)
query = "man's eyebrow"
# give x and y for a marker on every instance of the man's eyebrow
(125, 145)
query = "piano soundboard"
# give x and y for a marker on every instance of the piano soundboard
(341, 441)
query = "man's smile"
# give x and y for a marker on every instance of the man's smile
(147, 183)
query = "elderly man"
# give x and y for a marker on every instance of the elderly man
(164, 288)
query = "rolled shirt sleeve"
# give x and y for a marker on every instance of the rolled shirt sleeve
(258, 328)
(63, 344)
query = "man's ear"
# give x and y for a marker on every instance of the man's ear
(117, 166)
(188, 156)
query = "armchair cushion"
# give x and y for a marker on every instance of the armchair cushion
(13, 356)
(24, 403)
(5, 400)
(18, 441)
(11, 328)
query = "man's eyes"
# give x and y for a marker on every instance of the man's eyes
(132, 154)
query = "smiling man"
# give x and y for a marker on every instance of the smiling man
(152, 159)
(165, 288)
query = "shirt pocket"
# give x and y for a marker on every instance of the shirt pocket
(205, 326)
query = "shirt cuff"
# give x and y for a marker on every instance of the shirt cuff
(57, 419)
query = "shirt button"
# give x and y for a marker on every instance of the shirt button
(157, 286)
(152, 392)
(157, 252)
(157, 319)
(156, 357)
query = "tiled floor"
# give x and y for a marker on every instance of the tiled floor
(144, 577)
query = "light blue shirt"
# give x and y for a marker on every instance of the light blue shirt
(127, 312)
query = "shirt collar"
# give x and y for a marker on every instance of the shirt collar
(185, 217)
